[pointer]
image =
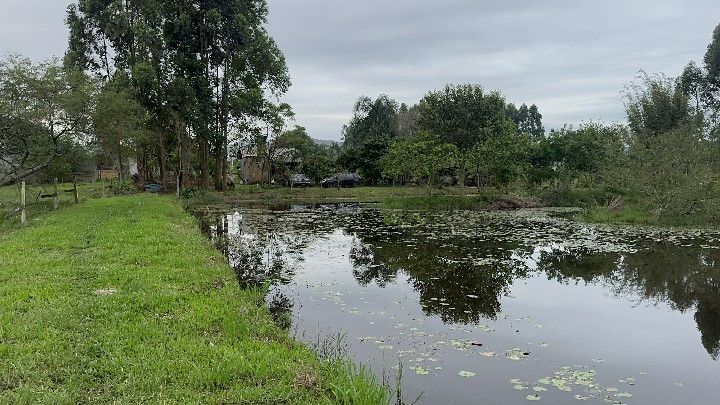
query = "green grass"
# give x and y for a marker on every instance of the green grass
(448, 198)
(122, 300)
(636, 214)
(628, 215)
(36, 206)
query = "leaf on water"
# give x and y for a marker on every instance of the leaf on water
(539, 389)
(466, 374)
(581, 398)
(520, 387)
(488, 354)
(533, 397)
(624, 395)
(420, 370)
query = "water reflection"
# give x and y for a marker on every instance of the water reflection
(462, 265)
(685, 278)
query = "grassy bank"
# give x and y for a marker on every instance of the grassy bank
(389, 197)
(597, 204)
(121, 300)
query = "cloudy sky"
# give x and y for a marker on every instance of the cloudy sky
(570, 57)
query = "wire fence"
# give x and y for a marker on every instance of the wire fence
(21, 202)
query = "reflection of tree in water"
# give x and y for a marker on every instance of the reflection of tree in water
(368, 267)
(685, 278)
(260, 247)
(450, 282)
(280, 308)
(456, 286)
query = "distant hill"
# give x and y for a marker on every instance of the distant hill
(323, 142)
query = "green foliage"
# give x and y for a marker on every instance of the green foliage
(203, 68)
(421, 156)
(314, 160)
(368, 136)
(712, 59)
(372, 120)
(672, 172)
(502, 158)
(527, 119)
(120, 124)
(365, 159)
(463, 115)
(656, 105)
(587, 152)
(44, 111)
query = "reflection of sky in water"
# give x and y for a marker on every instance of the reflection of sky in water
(516, 297)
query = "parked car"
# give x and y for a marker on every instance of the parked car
(300, 180)
(347, 180)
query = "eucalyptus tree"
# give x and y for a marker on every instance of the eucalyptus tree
(204, 69)
(527, 119)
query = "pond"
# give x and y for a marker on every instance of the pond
(492, 307)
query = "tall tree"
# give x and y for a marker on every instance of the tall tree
(204, 69)
(372, 119)
(464, 116)
(368, 135)
(119, 125)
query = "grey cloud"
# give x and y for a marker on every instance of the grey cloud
(571, 57)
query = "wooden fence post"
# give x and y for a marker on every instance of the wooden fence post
(23, 217)
(56, 198)
(75, 190)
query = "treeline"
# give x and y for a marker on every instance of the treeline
(663, 162)
(169, 83)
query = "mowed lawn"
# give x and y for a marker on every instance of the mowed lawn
(122, 300)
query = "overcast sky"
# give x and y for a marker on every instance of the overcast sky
(570, 57)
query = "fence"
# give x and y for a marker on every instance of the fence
(35, 199)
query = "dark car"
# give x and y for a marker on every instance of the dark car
(300, 180)
(347, 180)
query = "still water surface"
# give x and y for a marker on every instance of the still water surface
(493, 308)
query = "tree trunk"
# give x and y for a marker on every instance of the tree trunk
(217, 173)
(162, 157)
(120, 164)
(184, 141)
(224, 122)
(6, 181)
(225, 165)
(461, 177)
(205, 164)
